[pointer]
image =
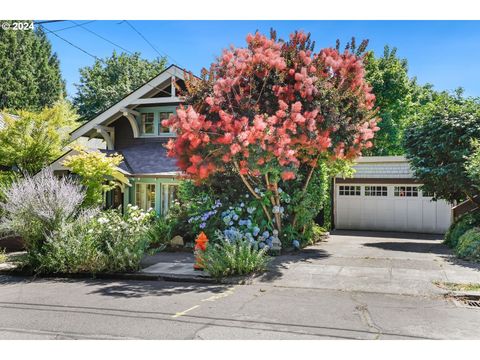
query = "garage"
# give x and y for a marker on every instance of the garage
(383, 195)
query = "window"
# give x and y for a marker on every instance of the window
(148, 123)
(164, 129)
(375, 191)
(346, 190)
(145, 196)
(169, 195)
(428, 193)
(406, 191)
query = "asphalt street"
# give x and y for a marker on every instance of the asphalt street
(320, 293)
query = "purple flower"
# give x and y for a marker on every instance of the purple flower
(202, 225)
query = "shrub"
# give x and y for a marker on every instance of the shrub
(94, 168)
(468, 246)
(37, 206)
(460, 227)
(234, 258)
(105, 242)
(71, 250)
(3, 256)
(161, 232)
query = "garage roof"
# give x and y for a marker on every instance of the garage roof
(383, 167)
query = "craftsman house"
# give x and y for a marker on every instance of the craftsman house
(132, 128)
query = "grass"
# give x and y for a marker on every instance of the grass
(457, 286)
(3, 256)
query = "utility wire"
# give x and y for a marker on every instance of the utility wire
(101, 37)
(70, 43)
(47, 21)
(74, 26)
(149, 43)
(98, 58)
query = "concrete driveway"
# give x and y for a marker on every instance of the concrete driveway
(379, 262)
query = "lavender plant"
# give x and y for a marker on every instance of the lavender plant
(36, 206)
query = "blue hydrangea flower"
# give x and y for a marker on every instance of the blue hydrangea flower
(256, 230)
(235, 217)
(261, 245)
(266, 234)
(202, 225)
(296, 244)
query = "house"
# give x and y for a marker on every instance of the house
(384, 195)
(132, 128)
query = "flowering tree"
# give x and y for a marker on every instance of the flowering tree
(271, 108)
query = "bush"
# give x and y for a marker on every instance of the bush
(160, 232)
(234, 258)
(460, 227)
(35, 207)
(105, 242)
(468, 246)
(3, 256)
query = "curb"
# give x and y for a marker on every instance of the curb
(240, 280)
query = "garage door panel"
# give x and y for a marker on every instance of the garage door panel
(391, 213)
(429, 215)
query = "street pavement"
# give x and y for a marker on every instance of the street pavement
(354, 286)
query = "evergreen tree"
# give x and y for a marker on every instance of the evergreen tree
(30, 77)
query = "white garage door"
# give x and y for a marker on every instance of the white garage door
(389, 208)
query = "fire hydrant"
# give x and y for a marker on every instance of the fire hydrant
(200, 247)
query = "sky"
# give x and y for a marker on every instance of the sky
(443, 53)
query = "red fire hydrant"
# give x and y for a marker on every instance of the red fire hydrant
(200, 247)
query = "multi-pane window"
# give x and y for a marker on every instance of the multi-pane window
(406, 191)
(169, 195)
(145, 196)
(428, 193)
(148, 123)
(375, 191)
(164, 129)
(349, 190)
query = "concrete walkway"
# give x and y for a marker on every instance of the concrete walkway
(389, 263)
(172, 264)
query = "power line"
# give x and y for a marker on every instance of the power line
(98, 58)
(47, 22)
(149, 43)
(70, 43)
(101, 37)
(74, 26)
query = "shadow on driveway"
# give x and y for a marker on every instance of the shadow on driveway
(388, 235)
(416, 247)
(283, 262)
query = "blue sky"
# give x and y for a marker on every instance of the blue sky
(444, 53)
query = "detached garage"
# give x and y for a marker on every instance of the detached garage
(383, 195)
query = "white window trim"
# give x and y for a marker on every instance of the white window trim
(164, 196)
(146, 200)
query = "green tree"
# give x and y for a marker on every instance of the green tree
(31, 140)
(30, 73)
(439, 142)
(472, 164)
(109, 80)
(394, 92)
(97, 171)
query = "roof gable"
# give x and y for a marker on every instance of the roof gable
(134, 98)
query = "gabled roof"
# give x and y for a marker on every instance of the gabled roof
(115, 110)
